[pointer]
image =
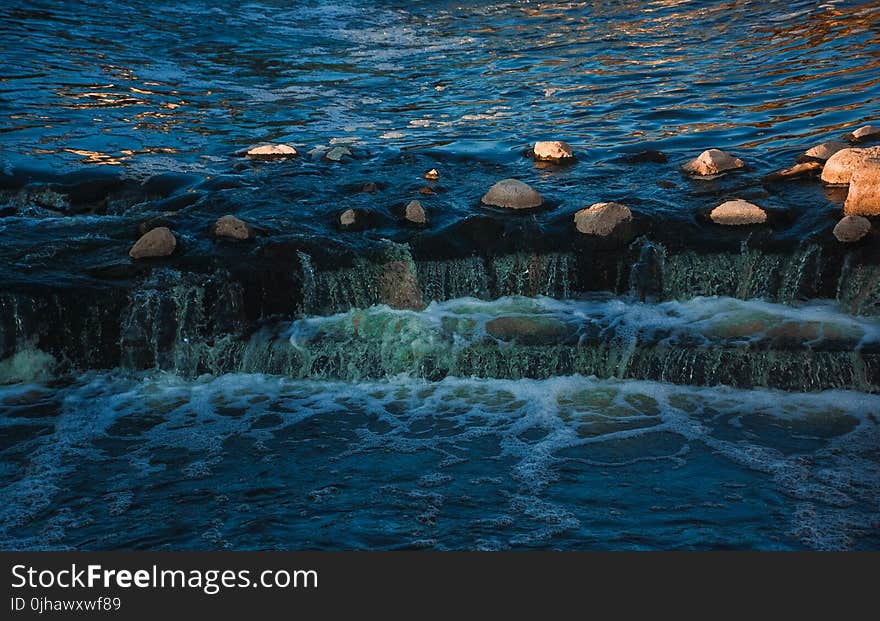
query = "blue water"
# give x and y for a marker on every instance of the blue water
(129, 111)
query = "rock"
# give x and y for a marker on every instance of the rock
(337, 153)
(370, 188)
(552, 151)
(798, 170)
(602, 218)
(398, 286)
(712, 162)
(348, 218)
(852, 229)
(863, 134)
(863, 198)
(432, 174)
(649, 156)
(233, 228)
(271, 151)
(821, 152)
(527, 330)
(415, 213)
(737, 212)
(159, 242)
(840, 166)
(512, 194)
(426, 191)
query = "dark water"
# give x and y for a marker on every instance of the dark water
(113, 113)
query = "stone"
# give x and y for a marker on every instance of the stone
(712, 162)
(602, 218)
(271, 151)
(426, 191)
(432, 174)
(527, 330)
(552, 151)
(370, 187)
(415, 213)
(233, 228)
(399, 287)
(821, 152)
(738, 212)
(337, 153)
(512, 194)
(851, 229)
(863, 198)
(798, 170)
(159, 242)
(649, 156)
(864, 133)
(840, 166)
(348, 218)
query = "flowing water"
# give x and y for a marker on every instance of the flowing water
(488, 381)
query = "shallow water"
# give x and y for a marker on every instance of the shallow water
(321, 418)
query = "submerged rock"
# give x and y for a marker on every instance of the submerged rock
(601, 218)
(648, 156)
(864, 133)
(552, 151)
(798, 170)
(712, 162)
(233, 228)
(738, 212)
(159, 242)
(271, 151)
(426, 191)
(821, 152)
(370, 188)
(852, 229)
(512, 194)
(863, 198)
(527, 330)
(415, 213)
(432, 174)
(840, 166)
(337, 153)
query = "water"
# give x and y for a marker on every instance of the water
(692, 387)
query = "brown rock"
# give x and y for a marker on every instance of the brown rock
(159, 242)
(712, 162)
(840, 166)
(822, 152)
(426, 191)
(527, 330)
(432, 174)
(864, 133)
(738, 212)
(798, 170)
(415, 213)
(863, 198)
(398, 286)
(552, 151)
(233, 228)
(512, 194)
(852, 229)
(370, 188)
(601, 218)
(271, 151)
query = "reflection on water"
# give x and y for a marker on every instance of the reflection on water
(109, 82)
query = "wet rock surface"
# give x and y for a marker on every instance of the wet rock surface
(851, 229)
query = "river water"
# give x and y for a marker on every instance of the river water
(717, 414)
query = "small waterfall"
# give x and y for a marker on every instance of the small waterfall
(532, 274)
(455, 278)
(858, 288)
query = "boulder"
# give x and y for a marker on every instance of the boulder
(159, 242)
(602, 218)
(738, 212)
(415, 213)
(852, 229)
(864, 133)
(337, 153)
(712, 162)
(552, 151)
(233, 228)
(798, 170)
(840, 166)
(863, 198)
(348, 218)
(271, 151)
(821, 152)
(512, 194)
(432, 174)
